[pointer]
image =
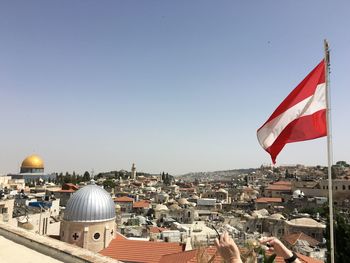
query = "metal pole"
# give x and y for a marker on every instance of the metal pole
(329, 152)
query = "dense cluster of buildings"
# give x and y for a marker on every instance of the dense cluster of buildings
(159, 218)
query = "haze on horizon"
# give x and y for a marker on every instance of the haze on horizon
(174, 86)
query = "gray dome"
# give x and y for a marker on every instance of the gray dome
(90, 204)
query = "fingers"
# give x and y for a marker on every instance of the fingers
(266, 240)
(269, 241)
(217, 243)
(225, 237)
(222, 237)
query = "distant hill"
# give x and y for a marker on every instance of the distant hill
(216, 175)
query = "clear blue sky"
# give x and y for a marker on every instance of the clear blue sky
(173, 86)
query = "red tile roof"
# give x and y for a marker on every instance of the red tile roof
(141, 204)
(279, 187)
(68, 186)
(268, 200)
(123, 199)
(293, 238)
(161, 252)
(192, 256)
(140, 251)
(182, 257)
(308, 259)
(283, 183)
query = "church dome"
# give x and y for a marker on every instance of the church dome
(33, 162)
(90, 204)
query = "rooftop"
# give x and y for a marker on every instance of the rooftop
(141, 204)
(279, 187)
(139, 251)
(194, 256)
(37, 248)
(268, 200)
(293, 238)
(155, 229)
(8, 253)
(123, 199)
(305, 222)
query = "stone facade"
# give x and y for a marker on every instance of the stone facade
(93, 236)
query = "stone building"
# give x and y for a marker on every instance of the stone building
(6, 210)
(220, 195)
(307, 226)
(125, 203)
(89, 219)
(281, 189)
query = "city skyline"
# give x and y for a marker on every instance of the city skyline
(170, 86)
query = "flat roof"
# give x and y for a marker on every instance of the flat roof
(12, 252)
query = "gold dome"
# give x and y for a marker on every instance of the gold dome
(33, 162)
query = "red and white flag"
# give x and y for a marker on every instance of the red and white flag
(300, 117)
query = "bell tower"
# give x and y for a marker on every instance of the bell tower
(133, 172)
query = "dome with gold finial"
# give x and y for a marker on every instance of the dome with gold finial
(32, 164)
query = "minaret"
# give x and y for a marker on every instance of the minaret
(133, 172)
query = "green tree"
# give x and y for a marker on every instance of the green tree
(108, 184)
(86, 176)
(342, 163)
(341, 238)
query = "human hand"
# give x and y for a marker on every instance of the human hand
(228, 249)
(277, 247)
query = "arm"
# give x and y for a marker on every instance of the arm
(228, 249)
(277, 246)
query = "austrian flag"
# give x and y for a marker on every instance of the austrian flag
(300, 117)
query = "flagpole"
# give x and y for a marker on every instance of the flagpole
(329, 152)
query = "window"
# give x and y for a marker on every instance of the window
(75, 236)
(97, 236)
(344, 187)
